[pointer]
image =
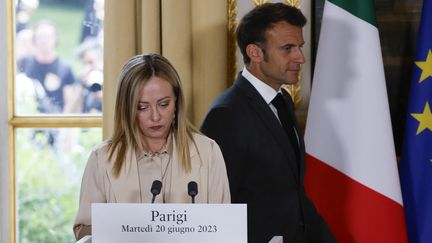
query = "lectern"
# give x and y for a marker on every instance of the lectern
(180, 223)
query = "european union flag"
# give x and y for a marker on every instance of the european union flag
(416, 163)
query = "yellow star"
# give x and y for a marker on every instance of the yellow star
(425, 119)
(426, 66)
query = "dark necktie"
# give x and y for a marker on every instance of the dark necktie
(286, 121)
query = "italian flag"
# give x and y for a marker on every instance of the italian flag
(351, 170)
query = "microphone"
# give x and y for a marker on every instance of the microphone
(155, 189)
(192, 190)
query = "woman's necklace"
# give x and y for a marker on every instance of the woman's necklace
(159, 155)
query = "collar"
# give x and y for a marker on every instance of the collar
(267, 92)
(166, 149)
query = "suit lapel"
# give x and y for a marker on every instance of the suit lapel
(269, 120)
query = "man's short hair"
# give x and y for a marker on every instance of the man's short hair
(254, 24)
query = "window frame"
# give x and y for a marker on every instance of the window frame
(8, 190)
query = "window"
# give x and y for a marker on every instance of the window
(55, 117)
(58, 57)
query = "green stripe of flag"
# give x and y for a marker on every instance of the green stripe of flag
(364, 9)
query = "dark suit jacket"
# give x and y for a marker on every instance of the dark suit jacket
(262, 167)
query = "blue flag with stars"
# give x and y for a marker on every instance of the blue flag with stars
(416, 163)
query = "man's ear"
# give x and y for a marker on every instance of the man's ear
(254, 52)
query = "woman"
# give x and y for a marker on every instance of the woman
(152, 140)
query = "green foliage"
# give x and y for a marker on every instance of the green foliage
(48, 181)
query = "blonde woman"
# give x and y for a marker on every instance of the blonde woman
(152, 140)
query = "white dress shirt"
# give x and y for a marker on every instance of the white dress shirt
(265, 90)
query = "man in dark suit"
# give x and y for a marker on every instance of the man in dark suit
(258, 133)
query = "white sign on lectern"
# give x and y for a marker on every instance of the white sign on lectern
(180, 223)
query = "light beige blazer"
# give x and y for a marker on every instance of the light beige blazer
(99, 185)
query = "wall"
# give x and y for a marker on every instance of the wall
(398, 22)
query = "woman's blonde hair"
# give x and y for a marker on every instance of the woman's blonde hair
(133, 76)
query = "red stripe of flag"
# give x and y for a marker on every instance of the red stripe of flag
(350, 208)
